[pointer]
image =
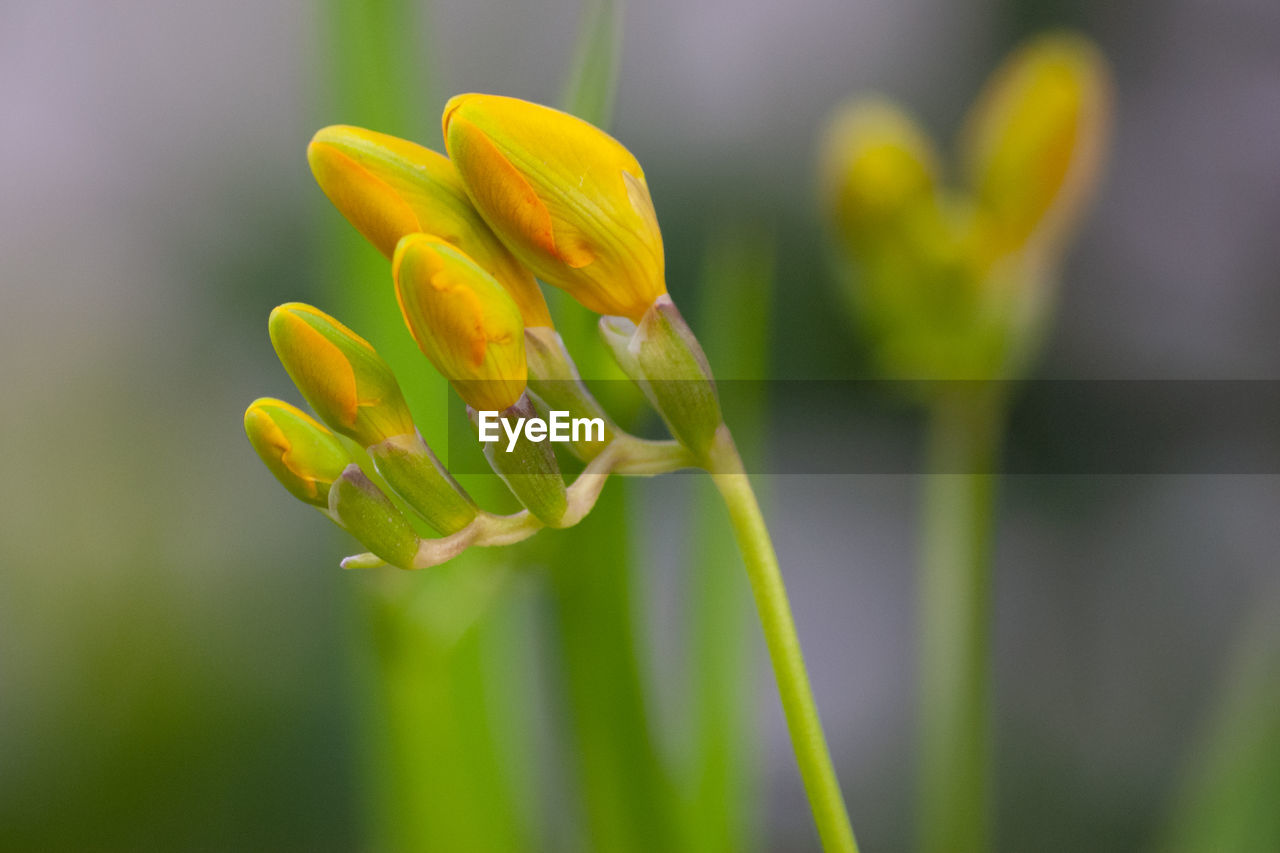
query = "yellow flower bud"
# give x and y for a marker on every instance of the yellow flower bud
(338, 372)
(301, 453)
(566, 198)
(877, 165)
(463, 321)
(1033, 144)
(388, 187)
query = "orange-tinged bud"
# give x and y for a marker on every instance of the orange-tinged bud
(568, 199)
(463, 321)
(339, 374)
(1033, 144)
(388, 187)
(300, 452)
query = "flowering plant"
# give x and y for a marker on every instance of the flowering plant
(525, 190)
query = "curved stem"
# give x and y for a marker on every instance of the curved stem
(807, 739)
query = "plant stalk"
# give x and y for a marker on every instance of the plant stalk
(807, 738)
(954, 612)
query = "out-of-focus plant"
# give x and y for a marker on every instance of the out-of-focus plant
(951, 283)
(1228, 795)
(571, 205)
(737, 283)
(596, 618)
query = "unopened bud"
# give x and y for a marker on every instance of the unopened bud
(412, 470)
(300, 452)
(463, 321)
(567, 198)
(878, 167)
(665, 359)
(1033, 144)
(528, 467)
(338, 372)
(388, 187)
(366, 513)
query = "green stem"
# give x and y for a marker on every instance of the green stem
(954, 700)
(807, 739)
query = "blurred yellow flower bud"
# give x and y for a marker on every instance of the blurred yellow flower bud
(1033, 144)
(954, 281)
(568, 199)
(388, 187)
(301, 453)
(463, 321)
(876, 166)
(347, 383)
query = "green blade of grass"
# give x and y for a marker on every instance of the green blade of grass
(1228, 803)
(737, 282)
(625, 790)
(439, 763)
(436, 709)
(593, 81)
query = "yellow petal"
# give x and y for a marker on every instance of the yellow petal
(340, 374)
(319, 365)
(463, 321)
(304, 456)
(388, 187)
(1032, 145)
(367, 201)
(568, 199)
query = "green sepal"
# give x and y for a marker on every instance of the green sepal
(554, 383)
(360, 508)
(664, 358)
(414, 472)
(530, 469)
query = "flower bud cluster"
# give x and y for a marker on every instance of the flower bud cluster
(525, 191)
(951, 282)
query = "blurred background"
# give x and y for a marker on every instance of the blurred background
(177, 664)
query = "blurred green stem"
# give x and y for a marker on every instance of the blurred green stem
(443, 773)
(954, 590)
(625, 790)
(1228, 796)
(720, 814)
(807, 738)
(440, 768)
(593, 80)
(722, 650)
